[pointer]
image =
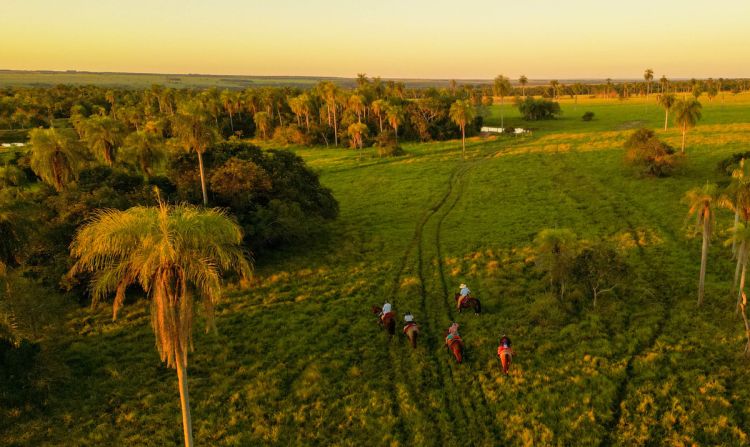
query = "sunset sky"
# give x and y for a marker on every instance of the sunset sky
(389, 38)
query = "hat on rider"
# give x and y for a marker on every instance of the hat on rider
(462, 286)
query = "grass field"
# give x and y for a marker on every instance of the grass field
(299, 360)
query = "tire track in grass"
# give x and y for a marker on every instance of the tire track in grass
(397, 361)
(483, 407)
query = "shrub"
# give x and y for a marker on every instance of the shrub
(538, 109)
(388, 145)
(644, 150)
(729, 164)
(289, 135)
(588, 116)
(598, 268)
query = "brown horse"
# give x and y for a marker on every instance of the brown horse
(411, 330)
(469, 302)
(506, 358)
(387, 321)
(456, 346)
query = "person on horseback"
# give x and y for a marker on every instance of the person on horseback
(452, 333)
(408, 321)
(504, 343)
(385, 310)
(463, 293)
(504, 349)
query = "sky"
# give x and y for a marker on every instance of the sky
(437, 39)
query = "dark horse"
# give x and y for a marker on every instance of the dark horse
(469, 302)
(388, 321)
(411, 330)
(456, 346)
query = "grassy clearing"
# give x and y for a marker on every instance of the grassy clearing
(299, 359)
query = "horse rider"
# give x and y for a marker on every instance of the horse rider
(452, 333)
(385, 310)
(408, 321)
(505, 344)
(463, 293)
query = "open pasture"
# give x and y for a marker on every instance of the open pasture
(299, 359)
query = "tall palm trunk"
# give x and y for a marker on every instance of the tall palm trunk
(502, 122)
(742, 282)
(463, 143)
(743, 306)
(684, 131)
(738, 267)
(704, 259)
(736, 222)
(203, 178)
(231, 121)
(335, 127)
(187, 422)
(666, 119)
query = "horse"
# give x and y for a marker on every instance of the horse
(469, 302)
(387, 321)
(456, 346)
(411, 330)
(506, 358)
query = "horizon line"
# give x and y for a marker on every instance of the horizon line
(397, 78)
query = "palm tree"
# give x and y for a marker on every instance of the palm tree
(462, 112)
(262, 122)
(357, 132)
(378, 107)
(663, 84)
(608, 87)
(103, 136)
(740, 235)
(146, 149)
(191, 128)
(555, 252)
(523, 80)
(667, 101)
(357, 105)
(687, 114)
(56, 156)
(701, 200)
(395, 116)
(175, 253)
(502, 88)
(554, 83)
(648, 75)
(330, 92)
(231, 103)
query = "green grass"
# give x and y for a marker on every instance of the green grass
(298, 359)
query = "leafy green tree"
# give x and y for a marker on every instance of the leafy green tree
(191, 128)
(103, 135)
(56, 156)
(502, 88)
(687, 114)
(176, 254)
(555, 252)
(462, 112)
(144, 149)
(599, 268)
(554, 84)
(231, 103)
(667, 100)
(702, 202)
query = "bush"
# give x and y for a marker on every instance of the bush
(290, 135)
(588, 116)
(538, 109)
(729, 164)
(643, 149)
(388, 145)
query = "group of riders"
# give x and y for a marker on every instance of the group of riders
(504, 347)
